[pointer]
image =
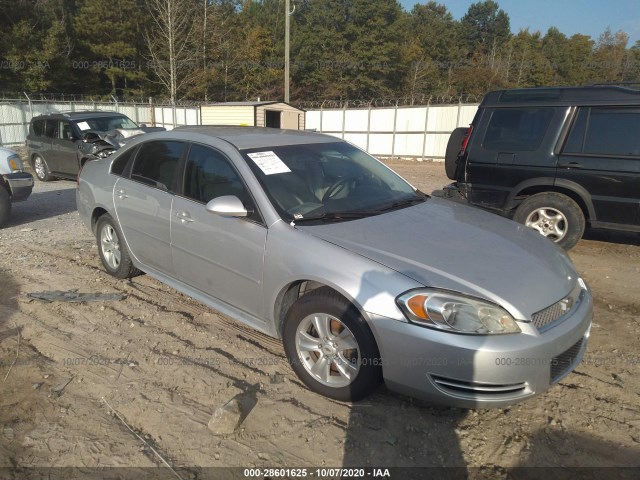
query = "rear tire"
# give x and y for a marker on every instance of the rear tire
(5, 205)
(41, 169)
(554, 215)
(113, 250)
(330, 346)
(453, 148)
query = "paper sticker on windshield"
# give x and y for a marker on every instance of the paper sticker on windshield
(83, 126)
(269, 162)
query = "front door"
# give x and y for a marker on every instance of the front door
(221, 257)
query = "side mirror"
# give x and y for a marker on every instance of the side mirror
(227, 206)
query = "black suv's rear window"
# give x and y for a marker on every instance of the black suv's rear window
(517, 129)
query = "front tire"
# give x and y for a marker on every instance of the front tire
(41, 169)
(330, 346)
(554, 215)
(5, 206)
(113, 251)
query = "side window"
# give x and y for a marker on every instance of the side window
(51, 128)
(575, 140)
(64, 130)
(156, 164)
(120, 163)
(209, 175)
(517, 129)
(38, 128)
(613, 131)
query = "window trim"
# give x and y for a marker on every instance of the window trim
(181, 190)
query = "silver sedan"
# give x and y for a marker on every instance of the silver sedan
(364, 278)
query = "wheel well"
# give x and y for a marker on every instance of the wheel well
(527, 192)
(97, 213)
(5, 185)
(289, 294)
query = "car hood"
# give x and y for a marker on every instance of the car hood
(447, 245)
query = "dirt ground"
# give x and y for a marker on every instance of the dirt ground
(162, 363)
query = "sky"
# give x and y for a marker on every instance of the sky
(589, 17)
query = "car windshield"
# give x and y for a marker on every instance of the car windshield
(328, 182)
(104, 124)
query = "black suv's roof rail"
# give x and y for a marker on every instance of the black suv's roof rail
(609, 84)
(554, 96)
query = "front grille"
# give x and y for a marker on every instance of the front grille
(549, 314)
(475, 389)
(561, 364)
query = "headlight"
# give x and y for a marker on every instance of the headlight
(452, 312)
(104, 153)
(15, 164)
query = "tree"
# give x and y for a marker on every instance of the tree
(171, 43)
(609, 56)
(432, 51)
(485, 27)
(114, 50)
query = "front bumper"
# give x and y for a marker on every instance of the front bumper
(20, 184)
(481, 371)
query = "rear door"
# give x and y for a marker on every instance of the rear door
(511, 145)
(602, 156)
(143, 203)
(221, 257)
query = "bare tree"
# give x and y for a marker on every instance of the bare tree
(171, 43)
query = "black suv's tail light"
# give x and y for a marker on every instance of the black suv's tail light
(465, 140)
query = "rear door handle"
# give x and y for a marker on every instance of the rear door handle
(121, 194)
(570, 165)
(184, 217)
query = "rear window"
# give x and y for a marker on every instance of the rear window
(517, 129)
(38, 127)
(606, 131)
(156, 164)
(120, 163)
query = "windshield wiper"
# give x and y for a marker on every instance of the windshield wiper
(403, 203)
(332, 216)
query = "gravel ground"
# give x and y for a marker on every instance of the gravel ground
(163, 363)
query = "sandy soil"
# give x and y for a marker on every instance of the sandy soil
(163, 363)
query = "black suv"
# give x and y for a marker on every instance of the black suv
(59, 143)
(554, 159)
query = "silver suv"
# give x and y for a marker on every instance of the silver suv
(59, 143)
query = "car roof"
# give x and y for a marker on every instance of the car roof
(563, 96)
(244, 138)
(79, 115)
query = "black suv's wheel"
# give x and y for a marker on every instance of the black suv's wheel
(453, 148)
(113, 250)
(41, 169)
(5, 205)
(554, 215)
(330, 346)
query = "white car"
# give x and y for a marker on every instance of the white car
(15, 183)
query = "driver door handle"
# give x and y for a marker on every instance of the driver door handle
(184, 217)
(121, 194)
(570, 165)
